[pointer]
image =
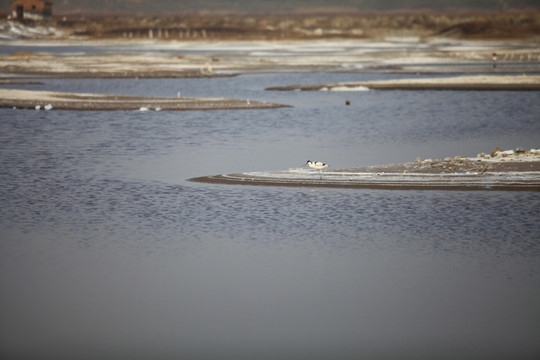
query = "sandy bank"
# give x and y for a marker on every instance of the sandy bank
(24, 99)
(503, 171)
(480, 82)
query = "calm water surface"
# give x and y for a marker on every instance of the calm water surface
(108, 252)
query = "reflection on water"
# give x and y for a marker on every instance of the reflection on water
(107, 252)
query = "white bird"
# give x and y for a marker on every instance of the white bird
(317, 165)
(144, 108)
(48, 107)
(38, 107)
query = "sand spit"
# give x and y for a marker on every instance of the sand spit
(24, 99)
(481, 82)
(505, 170)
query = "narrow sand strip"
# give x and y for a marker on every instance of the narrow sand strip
(481, 82)
(25, 99)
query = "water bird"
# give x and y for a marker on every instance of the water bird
(48, 107)
(38, 107)
(144, 108)
(317, 165)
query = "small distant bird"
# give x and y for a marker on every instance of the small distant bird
(347, 102)
(317, 165)
(48, 107)
(207, 70)
(144, 108)
(38, 107)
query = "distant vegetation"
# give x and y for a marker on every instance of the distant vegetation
(296, 19)
(277, 27)
(266, 6)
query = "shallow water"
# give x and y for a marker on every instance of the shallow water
(107, 251)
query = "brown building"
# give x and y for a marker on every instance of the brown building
(31, 9)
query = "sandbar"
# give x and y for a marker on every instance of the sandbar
(505, 170)
(478, 82)
(27, 99)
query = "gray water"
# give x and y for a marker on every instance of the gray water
(108, 252)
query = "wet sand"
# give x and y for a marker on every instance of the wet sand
(503, 171)
(25, 99)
